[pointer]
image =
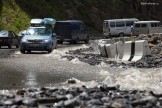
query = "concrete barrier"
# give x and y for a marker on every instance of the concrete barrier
(119, 50)
(102, 49)
(127, 51)
(100, 45)
(116, 39)
(122, 39)
(111, 50)
(141, 50)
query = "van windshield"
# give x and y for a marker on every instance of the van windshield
(39, 31)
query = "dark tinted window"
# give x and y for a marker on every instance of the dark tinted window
(120, 24)
(66, 26)
(4, 33)
(62, 26)
(112, 24)
(81, 27)
(156, 24)
(129, 23)
(152, 25)
(137, 25)
(143, 25)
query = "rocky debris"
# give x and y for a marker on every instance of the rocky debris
(88, 55)
(99, 96)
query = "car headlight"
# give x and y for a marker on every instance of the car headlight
(46, 40)
(24, 40)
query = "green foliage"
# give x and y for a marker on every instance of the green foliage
(16, 14)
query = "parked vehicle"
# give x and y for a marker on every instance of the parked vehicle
(147, 27)
(118, 27)
(39, 36)
(71, 31)
(8, 38)
(21, 34)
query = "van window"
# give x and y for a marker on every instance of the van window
(143, 25)
(137, 25)
(74, 27)
(156, 24)
(81, 27)
(152, 25)
(62, 26)
(112, 24)
(120, 24)
(129, 23)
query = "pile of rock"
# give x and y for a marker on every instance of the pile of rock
(99, 96)
(89, 56)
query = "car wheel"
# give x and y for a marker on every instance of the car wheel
(9, 46)
(22, 51)
(17, 46)
(87, 40)
(121, 34)
(76, 41)
(60, 42)
(55, 46)
(50, 50)
(28, 51)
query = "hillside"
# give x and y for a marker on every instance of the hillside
(16, 14)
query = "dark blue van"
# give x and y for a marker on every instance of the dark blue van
(71, 31)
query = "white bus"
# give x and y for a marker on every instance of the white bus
(118, 27)
(147, 27)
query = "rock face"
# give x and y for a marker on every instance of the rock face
(93, 12)
(100, 10)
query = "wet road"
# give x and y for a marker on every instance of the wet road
(41, 69)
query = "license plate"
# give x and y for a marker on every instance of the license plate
(34, 44)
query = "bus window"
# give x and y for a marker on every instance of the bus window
(143, 25)
(129, 23)
(137, 25)
(120, 24)
(112, 24)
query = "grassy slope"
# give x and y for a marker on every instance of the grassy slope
(16, 14)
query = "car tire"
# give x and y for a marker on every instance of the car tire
(22, 51)
(60, 42)
(17, 46)
(121, 35)
(76, 41)
(87, 40)
(50, 50)
(9, 46)
(28, 51)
